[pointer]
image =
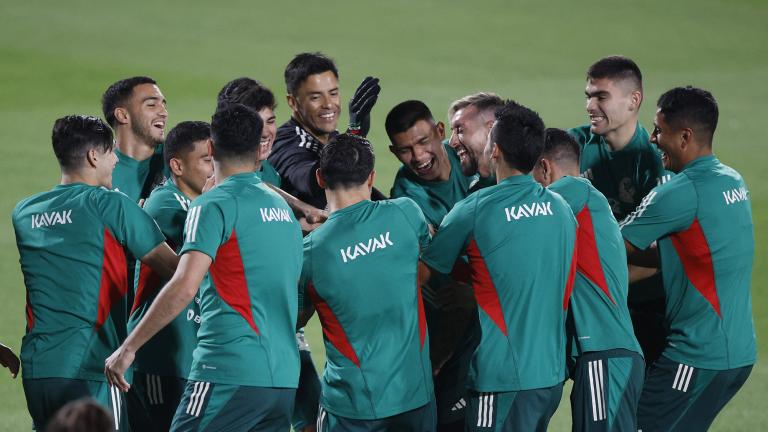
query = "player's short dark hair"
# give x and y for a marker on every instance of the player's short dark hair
(617, 68)
(81, 415)
(561, 147)
(118, 93)
(236, 131)
(519, 134)
(74, 135)
(181, 139)
(249, 92)
(404, 115)
(690, 107)
(346, 161)
(304, 65)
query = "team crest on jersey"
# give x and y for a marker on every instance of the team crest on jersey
(735, 195)
(364, 248)
(51, 218)
(272, 214)
(528, 210)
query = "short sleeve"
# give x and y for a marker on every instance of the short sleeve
(169, 210)
(452, 237)
(204, 229)
(306, 273)
(573, 191)
(130, 225)
(416, 220)
(667, 209)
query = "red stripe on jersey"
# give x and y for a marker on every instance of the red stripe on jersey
(228, 276)
(332, 329)
(485, 292)
(422, 317)
(114, 275)
(588, 262)
(693, 250)
(149, 285)
(30, 315)
(571, 275)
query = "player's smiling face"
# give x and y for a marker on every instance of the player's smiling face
(420, 148)
(316, 104)
(268, 133)
(469, 133)
(147, 113)
(197, 165)
(610, 105)
(668, 141)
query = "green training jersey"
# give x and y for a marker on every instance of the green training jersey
(599, 300)
(624, 176)
(169, 352)
(137, 178)
(247, 333)
(702, 219)
(269, 174)
(482, 183)
(71, 242)
(520, 239)
(436, 198)
(360, 272)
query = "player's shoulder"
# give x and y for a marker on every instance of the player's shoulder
(291, 137)
(575, 191)
(406, 205)
(582, 133)
(167, 196)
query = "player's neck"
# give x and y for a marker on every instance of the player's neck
(503, 172)
(132, 146)
(343, 198)
(224, 170)
(445, 166)
(619, 138)
(185, 188)
(322, 138)
(78, 177)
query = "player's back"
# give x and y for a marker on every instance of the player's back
(599, 299)
(70, 242)
(361, 274)
(248, 310)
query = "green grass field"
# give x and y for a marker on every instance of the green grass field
(57, 58)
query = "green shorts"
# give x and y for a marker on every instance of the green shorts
(606, 390)
(422, 419)
(307, 395)
(152, 401)
(46, 395)
(216, 407)
(680, 397)
(526, 410)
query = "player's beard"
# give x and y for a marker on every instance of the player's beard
(143, 132)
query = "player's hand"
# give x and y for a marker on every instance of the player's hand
(361, 104)
(8, 359)
(210, 183)
(116, 365)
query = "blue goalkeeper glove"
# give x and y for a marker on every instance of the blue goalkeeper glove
(361, 104)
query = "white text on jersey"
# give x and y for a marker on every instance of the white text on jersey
(528, 210)
(51, 218)
(364, 248)
(275, 214)
(735, 195)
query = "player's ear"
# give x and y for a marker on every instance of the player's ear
(686, 136)
(371, 178)
(121, 115)
(636, 98)
(175, 166)
(92, 156)
(441, 130)
(320, 179)
(291, 100)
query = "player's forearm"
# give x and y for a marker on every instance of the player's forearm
(637, 273)
(648, 257)
(299, 207)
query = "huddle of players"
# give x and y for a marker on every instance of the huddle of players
(492, 241)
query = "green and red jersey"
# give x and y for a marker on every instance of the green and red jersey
(269, 174)
(137, 178)
(598, 305)
(702, 222)
(169, 352)
(249, 308)
(72, 241)
(360, 273)
(521, 242)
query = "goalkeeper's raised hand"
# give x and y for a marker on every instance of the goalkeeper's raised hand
(361, 104)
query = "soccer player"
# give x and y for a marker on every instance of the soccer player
(255, 95)
(431, 175)
(312, 82)
(71, 242)
(621, 162)
(136, 109)
(360, 273)
(163, 364)
(8, 359)
(609, 368)
(701, 221)
(520, 239)
(471, 119)
(245, 368)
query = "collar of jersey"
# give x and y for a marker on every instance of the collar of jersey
(348, 209)
(517, 180)
(703, 160)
